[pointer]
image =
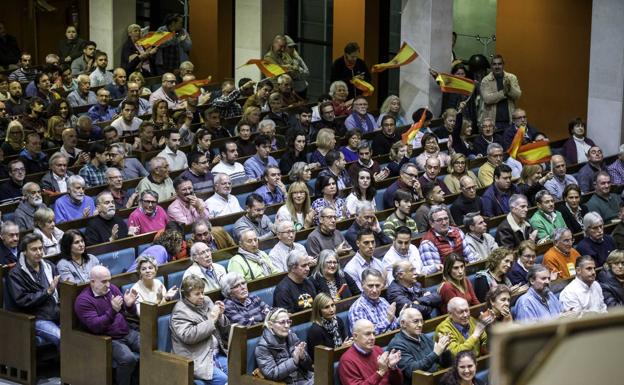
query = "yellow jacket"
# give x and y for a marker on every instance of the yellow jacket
(458, 342)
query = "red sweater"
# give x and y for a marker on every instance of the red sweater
(358, 369)
(448, 291)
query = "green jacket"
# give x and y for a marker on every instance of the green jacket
(544, 226)
(458, 342)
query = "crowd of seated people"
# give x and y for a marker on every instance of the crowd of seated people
(97, 159)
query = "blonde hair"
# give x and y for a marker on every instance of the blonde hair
(528, 171)
(268, 320)
(385, 107)
(449, 112)
(394, 150)
(290, 204)
(137, 77)
(14, 124)
(323, 138)
(53, 121)
(454, 158)
(320, 301)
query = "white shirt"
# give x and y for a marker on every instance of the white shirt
(279, 254)
(218, 206)
(236, 172)
(124, 128)
(357, 264)
(100, 78)
(61, 181)
(177, 160)
(582, 298)
(392, 256)
(351, 203)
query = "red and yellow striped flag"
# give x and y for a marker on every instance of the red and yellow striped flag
(530, 153)
(406, 55)
(269, 70)
(364, 86)
(154, 39)
(191, 88)
(455, 84)
(409, 135)
(535, 153)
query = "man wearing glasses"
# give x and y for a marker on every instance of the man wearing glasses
(441, 240)
(408, 181)
(11, 190)
(494, 159)
(596, 243)
(295, 292)
(149, 216)
(286, 245)
(31, 201)
(167, 93)
(326, 236)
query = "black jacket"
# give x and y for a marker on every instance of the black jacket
(350, 290)
(463, 206)
(317, 335)
(612, 289)
(6, 256)
(403, 296)
(99, 229)
(31, 296)
(569, 219)
(340, 71)
(480, 144)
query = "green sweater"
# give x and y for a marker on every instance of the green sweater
(458, 342)
(544, 226)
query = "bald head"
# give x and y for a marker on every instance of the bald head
(364, 334)
(100, 278)
(362, 325)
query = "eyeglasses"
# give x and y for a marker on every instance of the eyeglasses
(329, 216)
(331, 262)
(284, 322)
(413, 176)
(148, 202)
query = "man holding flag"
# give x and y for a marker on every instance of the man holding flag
(350, 66)
(519, 119)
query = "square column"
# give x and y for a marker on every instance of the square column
(605, 105)
(427, 25)
(108, 26)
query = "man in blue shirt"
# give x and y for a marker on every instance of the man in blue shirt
(495, 200)
(102, 111)
(255, 166)
(538, 303)
(371, 306)
(273, 191)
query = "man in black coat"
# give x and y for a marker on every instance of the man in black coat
(349, 66)
(467, 201)
(107, 226)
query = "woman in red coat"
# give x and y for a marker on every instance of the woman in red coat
(455, 282)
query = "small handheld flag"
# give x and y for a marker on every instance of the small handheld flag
(362, 85)
(269, 70)
(409, 135)
(455, 84)
(406, 55)
(154, 39)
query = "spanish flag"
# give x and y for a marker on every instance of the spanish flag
(269, 70)
(408, 136)
(455, 84)
(364, 86)
(154, 39)
(191, 88)
(406, 55)
(530, 153)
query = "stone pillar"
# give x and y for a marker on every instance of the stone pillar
(605, 112)
(427, 25)
(108, 26)
(256, 23)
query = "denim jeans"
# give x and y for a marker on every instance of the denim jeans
(219, 372)
(124, 356)
(48, 331)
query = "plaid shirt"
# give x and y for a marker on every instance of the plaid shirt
(251, 312)
(430, 255)
(374, 311)
(616, 170)
(92, 175)
(227, 105)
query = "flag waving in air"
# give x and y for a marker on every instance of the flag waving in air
(154, 39)
(406, 55)
(455, 84)
(191, 88)
(408, 136)
(270, 70)
(530, 153)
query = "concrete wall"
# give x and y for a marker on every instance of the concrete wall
(108, 26)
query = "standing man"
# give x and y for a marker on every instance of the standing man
(500, 92)
(349, 66)
(32, 285)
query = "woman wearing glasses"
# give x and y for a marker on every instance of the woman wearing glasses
(280, 355)
(241, 307)
(329, 278)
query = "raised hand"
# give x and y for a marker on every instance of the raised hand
(391, 312)
(53, 284)
(86, 212)
(443, 342)
(171, 293)
(116, 303)
(114, 232)
(130, 297)
(382, 363)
